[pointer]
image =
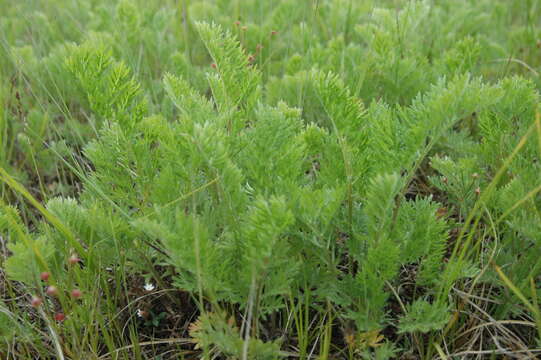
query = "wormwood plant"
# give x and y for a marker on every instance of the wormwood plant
(307, 205)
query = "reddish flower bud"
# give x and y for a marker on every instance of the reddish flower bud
(36, 301)
(142, 313)
(213, 65)
(274, 32)
(73, 259)
(44, 276)
(478, 191)
(52, 290)
(76, 293)
(59, 316)
(237, 23)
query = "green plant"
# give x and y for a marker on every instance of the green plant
(342, 180)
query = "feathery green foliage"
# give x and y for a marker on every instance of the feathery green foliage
(340, 179)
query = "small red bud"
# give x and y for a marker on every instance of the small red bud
(52, 290)
(36, 301)
(59, 316)
(213, 65)
(44, 276)
(73, 259)
(76, 293)
(237, 23)
(274, 32)
(142, 314)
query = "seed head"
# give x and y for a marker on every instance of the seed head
(36, 301)
(59, 316)
(52, 290)
(142, 314)
(44, 276)
(475, 175)
(244, 28)
(76, 293)
(73, 259)
(478, 191)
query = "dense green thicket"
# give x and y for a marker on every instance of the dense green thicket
(332, 179)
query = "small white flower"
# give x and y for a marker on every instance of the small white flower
(149, 287)
(139, 313)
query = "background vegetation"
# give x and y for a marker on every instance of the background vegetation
(307, 179)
